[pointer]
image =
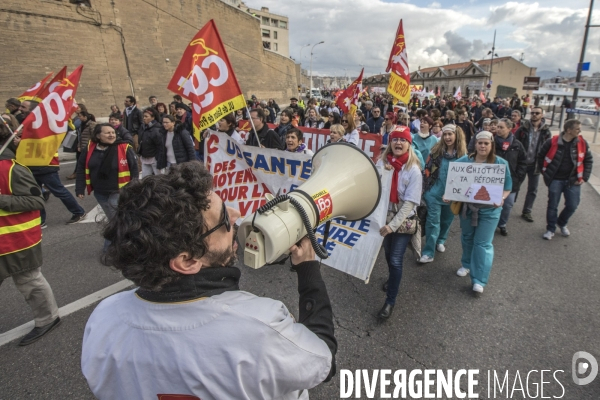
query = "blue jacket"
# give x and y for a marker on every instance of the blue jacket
(424, 145)
(374, 124)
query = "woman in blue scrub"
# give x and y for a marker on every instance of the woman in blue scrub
(451, 147)
(424, 140)
(478, 222)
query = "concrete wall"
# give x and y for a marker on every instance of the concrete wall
(44, 35)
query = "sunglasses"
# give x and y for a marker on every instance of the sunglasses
(536, 113)
(224, 221)
(344, 120)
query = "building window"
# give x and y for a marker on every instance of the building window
(265, 20)
(275, 47)
(283, 24)
(266, 33)
(274, 22)
(455, 72)
(267, 45)
(274, 34)
(473, 72)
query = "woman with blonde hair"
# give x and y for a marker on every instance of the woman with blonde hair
(439, 216)
(336, 134)
(401, 221)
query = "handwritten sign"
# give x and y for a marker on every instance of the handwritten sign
(475, 183)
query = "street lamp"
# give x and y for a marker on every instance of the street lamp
(311, 54)
(492, 60)
(301, 48)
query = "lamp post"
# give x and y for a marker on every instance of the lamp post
(492, 61)
(311, 55)
(302, 48)
(581, 56)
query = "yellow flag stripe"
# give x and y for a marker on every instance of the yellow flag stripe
(38, 152)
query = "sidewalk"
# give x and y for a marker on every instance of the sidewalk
(63, 156)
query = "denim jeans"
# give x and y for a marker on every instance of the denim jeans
(54, 185)
(572, 196)
(109, 205)
(533, 181)
(394, 246)
(149, 169)
(506, 207)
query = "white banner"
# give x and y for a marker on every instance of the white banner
(242, 175)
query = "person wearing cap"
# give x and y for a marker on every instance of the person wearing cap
(478, 222)
(12, 105)
(424, 140)
(486, 126)
(401, 220)
(293, 103)
(439, 215)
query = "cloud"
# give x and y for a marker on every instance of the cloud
(362, 32)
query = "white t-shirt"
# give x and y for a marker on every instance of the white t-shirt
(230, 346)
(352, 137)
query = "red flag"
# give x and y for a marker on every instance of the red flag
(33, 93)
(482, 97)
(597, 101)
(53, 84)
(205, 77)
(399, 83)
(347, 101)
(45, 128)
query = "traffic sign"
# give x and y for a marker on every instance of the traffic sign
(580, 111)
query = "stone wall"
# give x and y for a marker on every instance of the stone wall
(124, 46)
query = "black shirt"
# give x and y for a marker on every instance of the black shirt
(566, 164)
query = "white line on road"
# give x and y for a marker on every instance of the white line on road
(70, 185)
(84, 302)
(67, 162)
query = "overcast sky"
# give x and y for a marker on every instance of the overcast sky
(548, 32)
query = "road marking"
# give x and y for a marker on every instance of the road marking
(95, 214)
(70, 185)
(84, 302)
(67, 162)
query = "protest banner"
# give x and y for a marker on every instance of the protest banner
(475, 183)
(242, 175)
(314, 138)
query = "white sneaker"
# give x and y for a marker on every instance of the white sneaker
(564, 230)
(425, 259)
(462, 271)
(478, 288)
(548, 235)
(440, 248)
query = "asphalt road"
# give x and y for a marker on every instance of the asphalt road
(540, 307)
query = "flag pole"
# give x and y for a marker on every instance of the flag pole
(251, 122)
(13, 134)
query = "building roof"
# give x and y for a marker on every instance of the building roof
(464, 64)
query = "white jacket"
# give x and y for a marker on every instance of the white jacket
(230, 346)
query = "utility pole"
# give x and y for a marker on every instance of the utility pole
(311, 57)
(581, 57)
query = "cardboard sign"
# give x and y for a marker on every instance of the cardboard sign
(475, 183)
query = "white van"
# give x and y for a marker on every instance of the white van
(316, 93)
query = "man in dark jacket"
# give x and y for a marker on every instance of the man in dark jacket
(566, 162)
(266, 137)
(513, 152)
(115, 120)
(374, 123)
(133, 119)
(466, 125)
(12, 105)
(21, 254)
(532, 134)
(178, 144)
(476, 111)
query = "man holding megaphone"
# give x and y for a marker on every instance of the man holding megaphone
(188, 329)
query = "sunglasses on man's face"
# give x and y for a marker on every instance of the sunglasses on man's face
(224, 221)
(536, 113)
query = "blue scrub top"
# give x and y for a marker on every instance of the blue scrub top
(424, 145)
(439, 187)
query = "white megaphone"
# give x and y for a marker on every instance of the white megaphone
(344, 183)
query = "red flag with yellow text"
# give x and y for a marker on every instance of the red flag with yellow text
(205, 77)
(399, 84)
(347, 101)
(53, 84)
(34, 92)
(45, 128)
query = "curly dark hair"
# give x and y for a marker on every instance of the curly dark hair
(157, 219)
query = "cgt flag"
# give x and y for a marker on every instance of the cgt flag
(45, 128)
(399, 85)
(205, 77)
(458, 94)
(53, 84)
(347, 101)
(34, 92)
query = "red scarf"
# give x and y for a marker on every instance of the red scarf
(397, 163)
(581, 148)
